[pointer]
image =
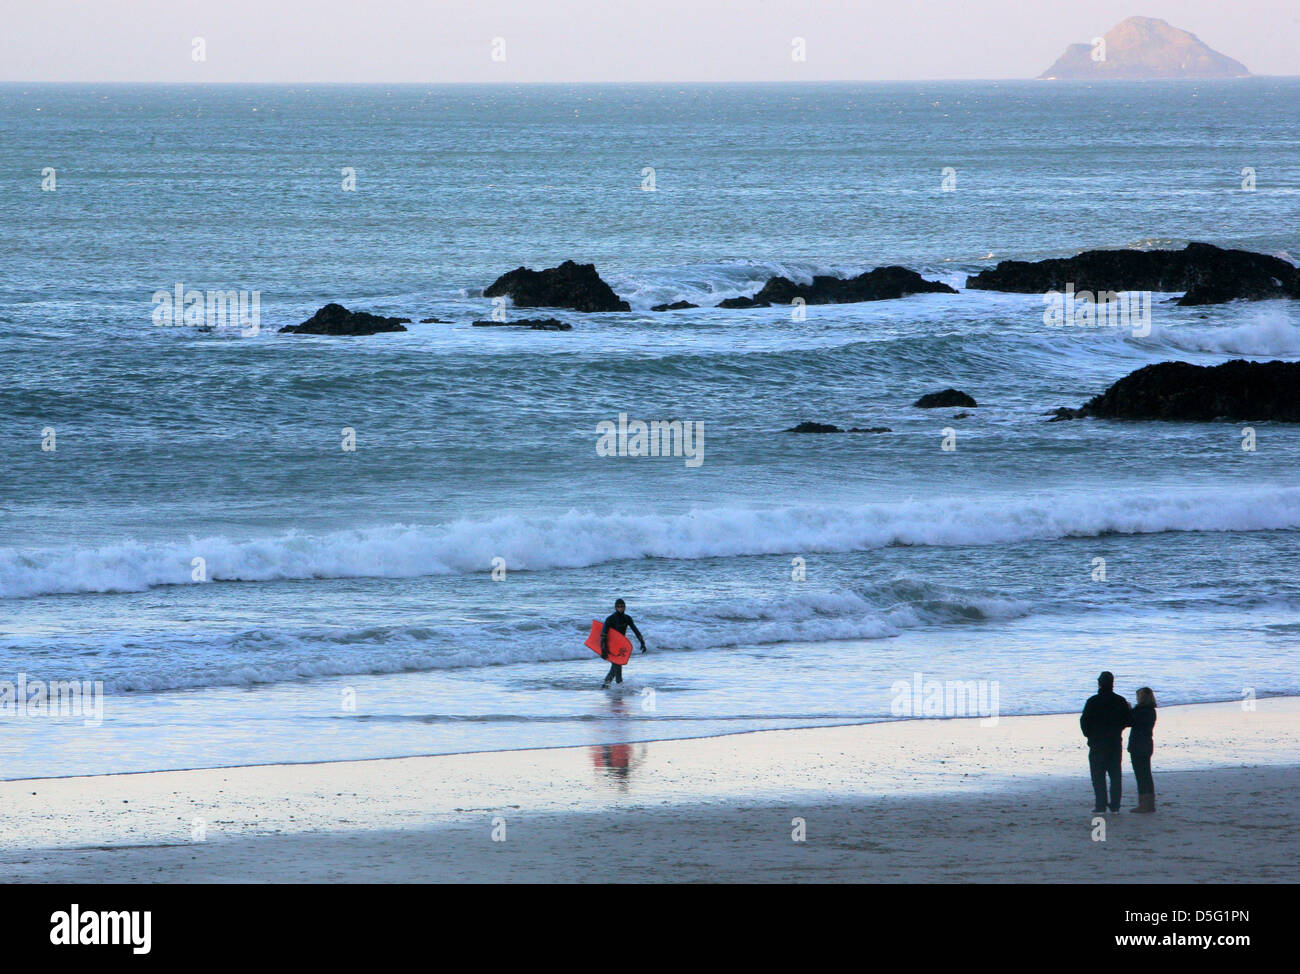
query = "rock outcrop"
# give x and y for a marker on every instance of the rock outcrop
(949, 397)
(1238, 391)
(880, 284)
(334, 319)
(1206, 274)
(536, 324)
(1143, 48)
(828, 428)
(570, 285)
(675, 306)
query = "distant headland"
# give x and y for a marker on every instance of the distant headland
(1143, 48)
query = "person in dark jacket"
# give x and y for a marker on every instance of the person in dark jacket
(621, 621)
(1103, 720)
(1141, 744)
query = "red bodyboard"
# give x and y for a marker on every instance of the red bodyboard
(620, 647)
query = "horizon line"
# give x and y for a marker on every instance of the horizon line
(710, 82)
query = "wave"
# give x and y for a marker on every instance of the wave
(579, 539)
(1270, 334)
(260, 656)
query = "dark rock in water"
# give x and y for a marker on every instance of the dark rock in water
(570, 285)
(962, 416)
(949, 397)
(828, 428)
(1227, 287)
(814, 428)
(434, 321)
(537, 324)
(1236, 391)
(675, 306)
(742, 303)
(1205, 273)
(880, 284)
(334, 319)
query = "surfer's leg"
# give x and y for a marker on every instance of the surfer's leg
(613, 672)
(618, 673)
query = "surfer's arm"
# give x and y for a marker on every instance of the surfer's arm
(640, 638)
(604, 640)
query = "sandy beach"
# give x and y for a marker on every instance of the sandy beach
(911, 801)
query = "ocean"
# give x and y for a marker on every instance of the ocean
(181, 521)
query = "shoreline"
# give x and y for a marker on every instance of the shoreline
(934, 796)
(856, 722)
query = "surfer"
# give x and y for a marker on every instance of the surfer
(621, 622)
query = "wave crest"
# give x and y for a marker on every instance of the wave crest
(581, 539)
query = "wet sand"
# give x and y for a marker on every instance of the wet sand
(919, 800)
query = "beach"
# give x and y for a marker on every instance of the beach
(953, 800)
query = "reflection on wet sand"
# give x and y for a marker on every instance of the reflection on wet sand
(616, 761)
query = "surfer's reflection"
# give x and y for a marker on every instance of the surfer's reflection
(616, 761)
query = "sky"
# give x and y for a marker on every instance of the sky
(599, 40)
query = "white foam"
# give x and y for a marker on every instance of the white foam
(1271, 334)
(579, 539)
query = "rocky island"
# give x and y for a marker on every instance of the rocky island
(1141, 49)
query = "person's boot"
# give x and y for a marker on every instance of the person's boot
(1146, 803)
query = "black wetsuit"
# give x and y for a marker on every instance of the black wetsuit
(622, 622)
(1104, 718)
(1141, 744)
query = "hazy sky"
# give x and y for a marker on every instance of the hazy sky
(600, 40)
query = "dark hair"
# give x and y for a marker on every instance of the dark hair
(1106, 680)
(618, 602)
(1146, 695)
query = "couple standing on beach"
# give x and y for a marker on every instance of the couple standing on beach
(1104, 718)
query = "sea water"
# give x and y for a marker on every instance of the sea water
(184, 522)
